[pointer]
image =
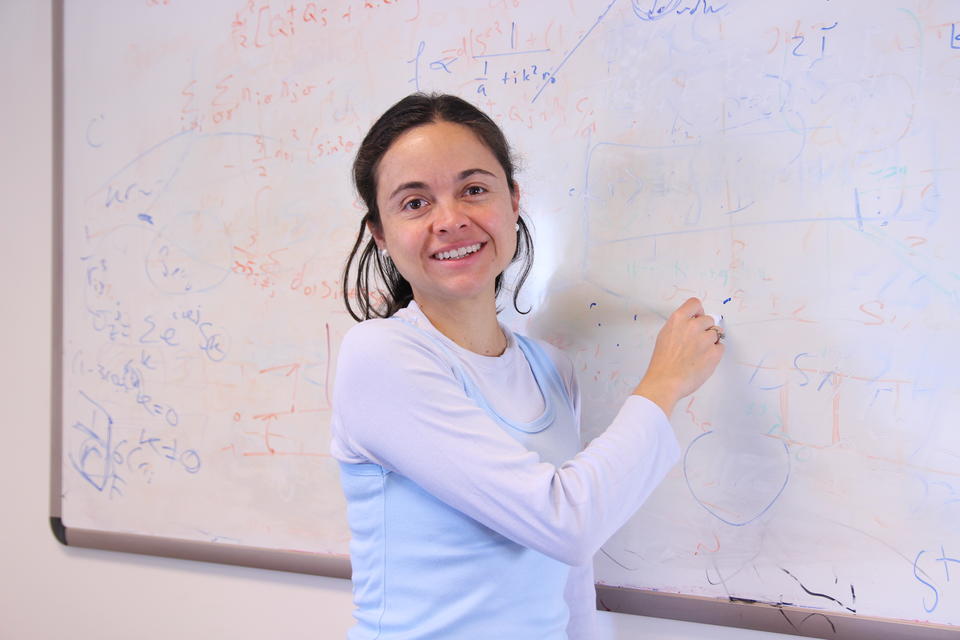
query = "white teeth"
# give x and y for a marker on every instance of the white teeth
(457, 253)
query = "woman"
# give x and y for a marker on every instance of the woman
(474, 513)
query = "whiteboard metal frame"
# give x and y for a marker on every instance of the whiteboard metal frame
(762, 616)
(56, 302)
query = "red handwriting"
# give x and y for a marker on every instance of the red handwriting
(262, 24)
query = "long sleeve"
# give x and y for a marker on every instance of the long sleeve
(398, 404)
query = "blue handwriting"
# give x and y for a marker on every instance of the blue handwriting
(103, 462)
(415, 61)
(189, 459)
(114, 322)
(526, 74)
(659, 9)
(131, 380)
(94, 459)
(926, 579)
(167, 336)
(213, 341)
(123, 195)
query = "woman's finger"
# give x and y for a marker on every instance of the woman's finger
(692, 308)
(718, 331)
(704, 322)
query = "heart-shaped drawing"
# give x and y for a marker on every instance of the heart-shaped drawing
(736, 477)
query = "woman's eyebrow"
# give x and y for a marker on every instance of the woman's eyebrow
(466, 173)
(408, 185)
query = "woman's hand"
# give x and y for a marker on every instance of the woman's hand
(685, 355)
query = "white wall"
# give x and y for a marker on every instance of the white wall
(51, 591)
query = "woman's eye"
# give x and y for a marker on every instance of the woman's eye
(414, 204)
(475, 190)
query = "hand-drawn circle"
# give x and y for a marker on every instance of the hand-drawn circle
(736, 477)
(190, 255)
(872, 114)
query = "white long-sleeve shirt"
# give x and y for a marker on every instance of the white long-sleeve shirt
(403, 422)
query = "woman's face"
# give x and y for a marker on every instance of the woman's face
(447, 214)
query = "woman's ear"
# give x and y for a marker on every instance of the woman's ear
(515, 199)
(377, 232)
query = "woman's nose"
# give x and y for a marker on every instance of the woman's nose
(449, 217)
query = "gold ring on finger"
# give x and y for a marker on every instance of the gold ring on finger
(720, 334)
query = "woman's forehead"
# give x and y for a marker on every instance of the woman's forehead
(438, 149)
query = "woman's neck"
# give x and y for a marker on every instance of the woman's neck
(472, 326)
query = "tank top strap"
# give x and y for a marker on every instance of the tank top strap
(540, 361)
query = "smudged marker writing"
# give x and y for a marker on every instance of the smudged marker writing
(92, 140)
(820, 595)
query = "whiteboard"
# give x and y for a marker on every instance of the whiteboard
(793, 164)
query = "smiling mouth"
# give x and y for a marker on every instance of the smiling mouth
(457, 254)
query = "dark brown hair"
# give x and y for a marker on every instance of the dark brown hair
(371, 268)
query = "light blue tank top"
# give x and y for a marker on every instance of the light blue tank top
(422, 569)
